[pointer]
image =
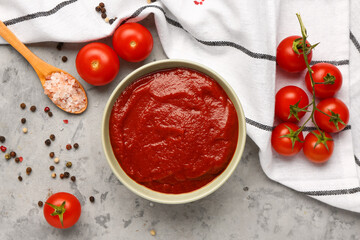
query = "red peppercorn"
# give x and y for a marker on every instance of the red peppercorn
(21, 159)
(3, 148)
(68, 147)
(66, 121)
(46, 109)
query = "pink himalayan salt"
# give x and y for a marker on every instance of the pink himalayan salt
(65, 92)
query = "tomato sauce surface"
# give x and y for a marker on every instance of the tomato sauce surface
(174, 130)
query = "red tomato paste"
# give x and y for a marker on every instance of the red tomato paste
(173, 131)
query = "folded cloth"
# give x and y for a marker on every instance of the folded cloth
(238, 39)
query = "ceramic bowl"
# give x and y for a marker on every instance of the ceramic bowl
(143, 191)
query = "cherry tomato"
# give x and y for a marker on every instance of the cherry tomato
(65, 206)
(315, 146)
(324, 72)
(132, 42)
(289, 60)
(284, 145)
(97, 64)
(335, 108)
(290, 99)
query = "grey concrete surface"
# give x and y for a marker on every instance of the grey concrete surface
(247, 206)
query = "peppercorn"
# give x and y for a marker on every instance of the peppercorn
(66, 174)
(73, 178)
(107, 20)
(17, 160)
(40, 203)
(101, 4)
(68, 147)
(152, 232)
(56, 160)
(111, 21)
(33, 108)
(52, 137)
(60, 45)
(52, 154)
(103, 15)
(28, 170)
(48, 142)
(25, 130)
(3, 148)
(53, 175)
(7, 156)
(20, 178)
(2, 139)
(46, 109)
(103, 10)
(92, 199)
(51, 168)
(68, 164)
(98, 8)
(23, 105)
(50, 114)
(76, 145)
(12, 154)
(64, 59)
(23, 120)
(61, 175)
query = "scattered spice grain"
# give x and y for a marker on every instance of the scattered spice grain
(53, 175)
(3, 148)
(48, 142)
(7, 156)
(66, 174)
(56, 160)
(17, 160)
(20, 178)
(69, 164)
(92, 199)
(40, 203)
(28, 170)
(50, 114)
(52, 137)
(46, 109)
(23, 120)
(107, 20)
(52, 154)
(103, 15)
(51, 168)
(152, 232)
(12, 154)
(25, 130)
(64, 58)
(68, 146)
(23, 105)
(61, 175)
(76, 145)
(98, 8)
(101, 4)
(33, 108)
(73, 178)
(2, 139)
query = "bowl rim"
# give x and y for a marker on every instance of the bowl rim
(153, 195)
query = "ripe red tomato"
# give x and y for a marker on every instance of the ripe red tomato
(97, 64)
(287, 100)
(335, 108)
(324, 72)
(315, 149)
(284, 145)
(289, 60)
(63, 205)
(132, 42)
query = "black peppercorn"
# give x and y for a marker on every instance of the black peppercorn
(51, 168)
(23, 120)
(92, 199)
(12, 154)
(103, 15)
(47, 142)
(52, 154)
(61, 175)
(52, 137)
(2, 139)
(66, 174)
(64, 59)
(33, 108)
(73, 178)
(98, 8)
(17, 160)
(103, 10)
(76, 145)
(20, 178)
(40, 203)
(23, 105)
(28, 170)
(101, 4)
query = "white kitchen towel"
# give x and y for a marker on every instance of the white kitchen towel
(238, 39)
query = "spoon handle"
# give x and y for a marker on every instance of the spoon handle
(10, 37)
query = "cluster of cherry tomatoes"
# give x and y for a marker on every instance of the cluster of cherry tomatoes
(329, 115)
(98, 64)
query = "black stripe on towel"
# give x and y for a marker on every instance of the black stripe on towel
(354, 41)
(357, 161)
(38, 14)
(332, 192)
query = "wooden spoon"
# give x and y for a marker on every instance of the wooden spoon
(41, 68)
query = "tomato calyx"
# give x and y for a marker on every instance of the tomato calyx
(295, 109)
(293, 136)
(329, 79)
(322, 139)
(335, 118)
(298, 46)
(58, 211)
